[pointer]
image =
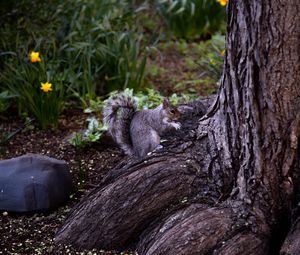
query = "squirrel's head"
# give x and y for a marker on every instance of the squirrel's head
(170, 110)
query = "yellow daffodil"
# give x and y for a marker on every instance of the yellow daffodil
(222, 2)
(213, 62)
(222, 53)
(46, 87)
(35, 57)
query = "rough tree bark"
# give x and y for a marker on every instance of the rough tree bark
(230, 184)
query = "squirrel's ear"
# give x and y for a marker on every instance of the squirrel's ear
(166, 103)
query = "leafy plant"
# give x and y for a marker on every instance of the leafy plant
(212, 56)
(105, 48)
(92, 46)
(192, 18)
(94, 106)
(93, 133)
(151, 98)
(29, 81)
(5, 100)
(95, 130)
(148, 99)
(123, 62)
(182, 99)
(78, 141)
(155, 70)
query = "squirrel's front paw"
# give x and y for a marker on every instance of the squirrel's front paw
(176, 125)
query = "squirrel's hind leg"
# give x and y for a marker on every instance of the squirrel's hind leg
(146, 142)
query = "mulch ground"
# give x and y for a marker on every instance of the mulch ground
(34, 233)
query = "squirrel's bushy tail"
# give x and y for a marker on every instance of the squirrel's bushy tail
(118, 114)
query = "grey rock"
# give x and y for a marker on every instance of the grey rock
(33, 182)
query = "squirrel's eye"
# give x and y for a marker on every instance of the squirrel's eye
(172, 111)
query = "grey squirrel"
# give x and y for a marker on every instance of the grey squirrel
(138, 132)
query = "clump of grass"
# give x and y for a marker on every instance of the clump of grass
(91, 48)
(192, 18)
(37, 89)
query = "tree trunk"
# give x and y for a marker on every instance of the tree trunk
(230, 182)
(291, 244)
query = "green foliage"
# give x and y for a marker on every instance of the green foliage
(148, 99)
(123, 64)
(5, 100)
(183, 98)
(92, 46)
(78, 141)
(212, 56)
(155, 70)
(104, 48)
(151, 98)
(94, 106)
(23, 79)
(95, 130)
(192, 18)
(92, 134)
